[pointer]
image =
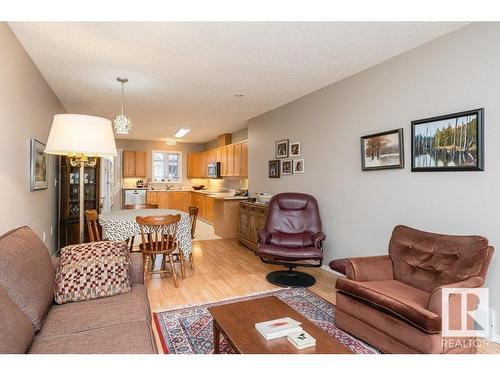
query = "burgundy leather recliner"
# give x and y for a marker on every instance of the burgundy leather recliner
(292, 234)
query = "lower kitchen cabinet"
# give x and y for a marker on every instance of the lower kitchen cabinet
(182, 200)
(252, 218)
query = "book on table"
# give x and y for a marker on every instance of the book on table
(282, 327)
(301, 340)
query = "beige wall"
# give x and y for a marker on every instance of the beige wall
(459, 71)
(237, 136)
(149, 146)
(27, 106)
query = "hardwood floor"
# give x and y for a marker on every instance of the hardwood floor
(224, 270)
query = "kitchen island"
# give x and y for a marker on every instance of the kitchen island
(219, 209)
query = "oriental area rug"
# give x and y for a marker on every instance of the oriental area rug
(189, 330)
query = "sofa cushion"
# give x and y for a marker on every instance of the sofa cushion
(16, 330)
(92, 270)
(97, 313)
(397, 298)
(26, 273)
(430, 260)
(133, 337)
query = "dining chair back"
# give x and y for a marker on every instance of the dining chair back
(137, 207)
(93, 229)
(159, 237)
(193, 214)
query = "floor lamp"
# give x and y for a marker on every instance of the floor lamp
(82, 138)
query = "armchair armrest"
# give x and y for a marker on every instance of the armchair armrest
(435, 304)
(136, 268)
(264, 236)
(317, 239)
(369, 268)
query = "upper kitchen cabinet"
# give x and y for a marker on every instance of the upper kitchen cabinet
(233, 160)
(134, 164)
(244, 159)
(197, 165)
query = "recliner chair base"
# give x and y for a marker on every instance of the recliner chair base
(294, 279)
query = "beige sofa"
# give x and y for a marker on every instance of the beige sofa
(30, 321)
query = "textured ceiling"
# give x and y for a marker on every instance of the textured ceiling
(186, 74)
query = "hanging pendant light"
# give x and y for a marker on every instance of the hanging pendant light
(122, 124)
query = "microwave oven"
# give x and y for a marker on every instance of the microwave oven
(214, 170)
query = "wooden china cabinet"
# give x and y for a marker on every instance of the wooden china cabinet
(69, 199)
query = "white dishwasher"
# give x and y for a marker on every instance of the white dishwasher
(135, 196)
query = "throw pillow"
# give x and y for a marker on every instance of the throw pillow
(92, 270)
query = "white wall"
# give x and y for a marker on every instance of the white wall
(27, 105)
(457, 72)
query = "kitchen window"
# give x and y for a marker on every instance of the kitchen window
(167, 166)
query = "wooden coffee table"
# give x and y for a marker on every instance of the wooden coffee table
(236, 321)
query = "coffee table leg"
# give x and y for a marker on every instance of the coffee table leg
(216, 339)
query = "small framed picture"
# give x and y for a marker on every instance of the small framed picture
(282, 149)
(298, 165)
(294, 149)
(451, 142)
(274, 169)
(39, 166)
(286, 167)
(382, 150)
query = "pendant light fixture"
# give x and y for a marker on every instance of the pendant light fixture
(122, 124)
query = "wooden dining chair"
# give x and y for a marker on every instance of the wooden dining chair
(159, 237)
(193, 215)
(91, 217)
(137, 207)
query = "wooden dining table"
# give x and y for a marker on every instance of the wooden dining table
(120, 225)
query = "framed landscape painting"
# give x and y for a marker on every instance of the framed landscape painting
(448, 143)
(39, 165)
(382, 150)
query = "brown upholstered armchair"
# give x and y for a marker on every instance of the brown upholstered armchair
(292, 234)
(393, 302)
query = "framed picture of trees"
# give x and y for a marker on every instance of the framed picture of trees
(382, 150)
(448, 143)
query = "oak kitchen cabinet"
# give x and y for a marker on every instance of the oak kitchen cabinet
(181, 200)
(176, 200)
(233, 159)
(134, 163)
(252, 218)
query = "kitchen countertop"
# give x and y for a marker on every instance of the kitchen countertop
(211, 194)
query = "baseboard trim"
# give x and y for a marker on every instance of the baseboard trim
(328, 269)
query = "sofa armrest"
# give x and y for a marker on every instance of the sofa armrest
(264, 236)
(317, 239)
(369, 268)
(137, 268)
(55, 262)
(435, 300)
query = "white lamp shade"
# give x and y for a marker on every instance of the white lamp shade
(81, 135)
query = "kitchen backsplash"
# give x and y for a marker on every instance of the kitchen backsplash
(209, 183)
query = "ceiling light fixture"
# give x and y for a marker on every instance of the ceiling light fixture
(182, 132)
(170, 141)
(122, 124)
